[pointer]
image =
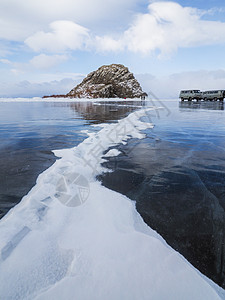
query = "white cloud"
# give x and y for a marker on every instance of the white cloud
(5, 61)
(13, 30)
(107, 43)
(20, 19)
(170, 86)
(58, 76)
(38, 62)
(28, 89)
(64, 35)
(44, 61)
(166, 27)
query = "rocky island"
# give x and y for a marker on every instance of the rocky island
(109, 81)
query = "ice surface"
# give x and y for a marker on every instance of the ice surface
(71, 238)
(6, 251)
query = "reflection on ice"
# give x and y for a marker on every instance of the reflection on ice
(101, 112)
(202, 105)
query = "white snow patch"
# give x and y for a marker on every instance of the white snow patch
(112, 152)
(99, 250)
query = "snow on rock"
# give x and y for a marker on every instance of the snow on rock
(98, 247)
(109, 81)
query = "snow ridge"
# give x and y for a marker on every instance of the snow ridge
(109, 81)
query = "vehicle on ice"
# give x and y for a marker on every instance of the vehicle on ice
(190, 95)
(213, 95)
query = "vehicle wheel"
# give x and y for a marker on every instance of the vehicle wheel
(189, 99)
(221, 99)
(205, 99)
(182, 99)
(215, 99)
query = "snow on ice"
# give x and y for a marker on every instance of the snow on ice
(98, 246)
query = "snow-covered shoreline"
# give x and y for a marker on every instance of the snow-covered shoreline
(71, 238)
(63, 99)
(51, 99)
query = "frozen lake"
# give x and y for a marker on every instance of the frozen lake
(175, 173)
(29, 131)
(177, 176)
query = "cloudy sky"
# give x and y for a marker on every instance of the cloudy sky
(48, 46)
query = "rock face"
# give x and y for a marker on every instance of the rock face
(112, 81)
